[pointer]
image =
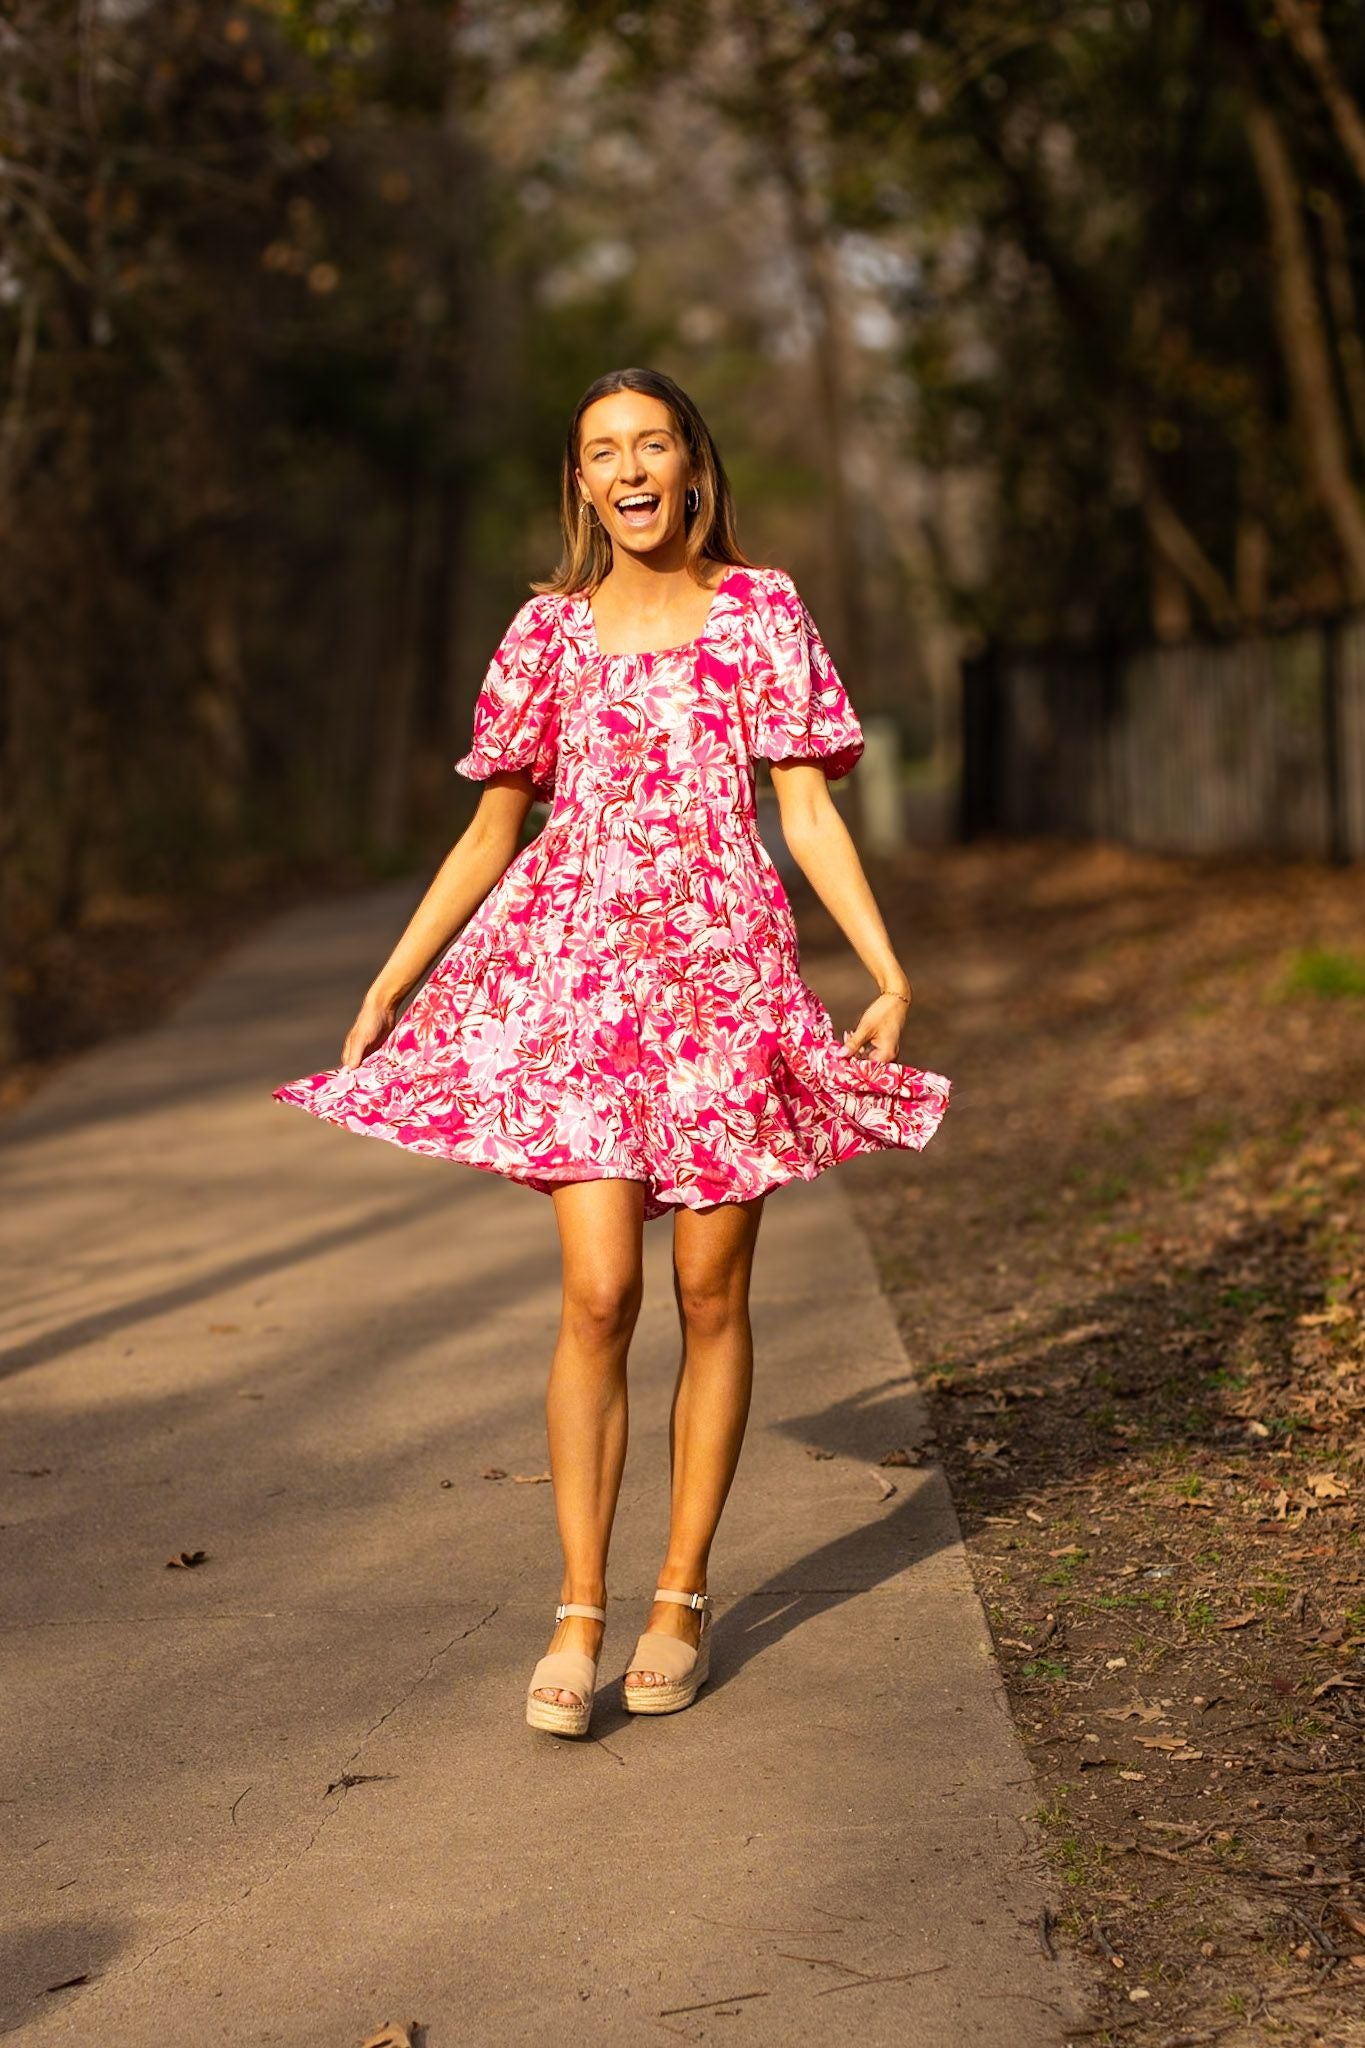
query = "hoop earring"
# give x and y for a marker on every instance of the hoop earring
(692, 498)
(588, 512)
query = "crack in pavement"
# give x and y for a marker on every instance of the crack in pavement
(333, 1807)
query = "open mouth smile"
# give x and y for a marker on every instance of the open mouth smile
(638, 508)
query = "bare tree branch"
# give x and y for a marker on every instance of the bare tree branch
(1304, 31)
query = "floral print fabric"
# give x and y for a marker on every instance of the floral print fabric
(627, 999)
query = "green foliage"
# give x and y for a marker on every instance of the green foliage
(1324, 971)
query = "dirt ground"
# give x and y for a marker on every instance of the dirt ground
(1130, 1268)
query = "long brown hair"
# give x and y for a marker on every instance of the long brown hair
(710, 529)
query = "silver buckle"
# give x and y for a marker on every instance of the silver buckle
(559, 1611)
(700, 1599)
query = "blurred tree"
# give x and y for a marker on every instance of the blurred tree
(1038, 323)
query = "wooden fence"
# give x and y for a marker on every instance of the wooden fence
(1248, 746)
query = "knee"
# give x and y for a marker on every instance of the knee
(602, 1311)
(708, 1307)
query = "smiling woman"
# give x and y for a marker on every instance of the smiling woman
(621, 1023)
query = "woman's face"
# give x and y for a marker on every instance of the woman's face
(633, 470)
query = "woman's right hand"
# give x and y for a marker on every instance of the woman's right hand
(374, 1021)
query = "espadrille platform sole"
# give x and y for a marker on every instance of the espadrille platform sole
(685, 1670)
(564, 1671)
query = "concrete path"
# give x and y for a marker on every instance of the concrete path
(289, 1794)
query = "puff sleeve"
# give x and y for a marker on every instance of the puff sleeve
(795, 707)
(516, 716)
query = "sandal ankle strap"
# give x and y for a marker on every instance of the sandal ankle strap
(577, 1607)
(682, 1599)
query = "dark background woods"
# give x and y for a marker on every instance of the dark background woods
(1034, 323)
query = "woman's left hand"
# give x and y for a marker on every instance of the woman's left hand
(877, 1034)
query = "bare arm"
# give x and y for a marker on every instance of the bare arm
(819, 843)
(479, 856)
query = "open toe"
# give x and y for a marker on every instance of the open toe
(669, 1671)
(560, 1672)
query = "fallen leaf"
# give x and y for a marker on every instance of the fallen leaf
(985, 1448)
(392, 2035)
(1338, 1679)
(186, 1558)
(1134, 1777)
(901, 1457)
(1326, 1486)
(532, 1478)
(1242, 1620)
(814, 1451)
(1067, 1550)
(1034, 1516)
(1136, 1710)
(885, 1487)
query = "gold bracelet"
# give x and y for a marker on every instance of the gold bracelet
(894, 992)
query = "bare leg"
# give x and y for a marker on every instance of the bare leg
(713, 1253)
(601, 1225)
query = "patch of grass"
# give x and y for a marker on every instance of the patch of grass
(1205, 1148)
(1074, 1858)
(1043, 1667)
(1244, 1297)
(1053, 1816)
(1324, 971)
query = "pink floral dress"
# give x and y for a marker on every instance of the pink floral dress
(627, 1000)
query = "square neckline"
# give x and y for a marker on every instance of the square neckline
(652, 653)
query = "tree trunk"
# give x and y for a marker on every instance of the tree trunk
(816, 262)
(1304, 31)
(1341, 298)
(1303, 341)
(395, 712)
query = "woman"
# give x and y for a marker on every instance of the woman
(621, 1022)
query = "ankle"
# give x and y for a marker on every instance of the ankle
(682, 1578)
(592, 1596)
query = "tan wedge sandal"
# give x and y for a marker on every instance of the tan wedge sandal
(564, 1671)
(685, 1670)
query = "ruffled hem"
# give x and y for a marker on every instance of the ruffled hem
(817, 1107)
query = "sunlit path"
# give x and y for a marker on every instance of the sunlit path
(289, 1793)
